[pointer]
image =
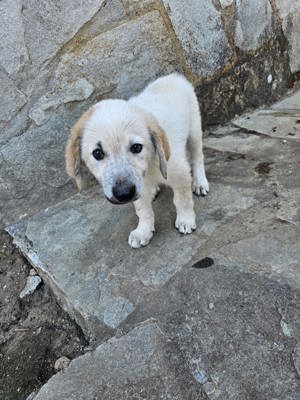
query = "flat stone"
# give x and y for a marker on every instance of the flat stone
(282, 121)
(272, 123)
(198, 27)
(49, 25)
(249, 36)
(13, 52)
(276, 252)
(13, 100)
(234, 348)
(115, 278)
(255, 146)
(142, 364)
(131, 45)
(290, 104)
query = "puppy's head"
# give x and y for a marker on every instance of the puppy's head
(118, 142)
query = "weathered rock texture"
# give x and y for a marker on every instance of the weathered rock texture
(59, 57)
(163, 323)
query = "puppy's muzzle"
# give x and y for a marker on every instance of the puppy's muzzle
(123, 192)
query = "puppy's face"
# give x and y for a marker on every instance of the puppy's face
(117, 144)
(116, 147)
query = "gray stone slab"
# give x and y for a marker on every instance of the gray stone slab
(141, 365)
(131, 45)
(278, 122)
(198, 26)
(13, 52)
(249, 36)
(276, 252)
(272, 123)
(267, 150)
(234, 329)
(97, 276)
(289, 104)
(48, 25)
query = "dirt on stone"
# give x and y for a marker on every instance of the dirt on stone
(34, 331)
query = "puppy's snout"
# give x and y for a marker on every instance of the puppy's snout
(124, 191)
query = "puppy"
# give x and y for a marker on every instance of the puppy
(133, 146)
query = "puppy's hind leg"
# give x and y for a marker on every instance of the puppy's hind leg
(200, 184)
(179, 178)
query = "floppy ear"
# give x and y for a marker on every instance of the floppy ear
(73, 151)
(159, 139)
(161, 145)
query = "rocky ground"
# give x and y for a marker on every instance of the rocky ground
(34, 331)
(213, 315)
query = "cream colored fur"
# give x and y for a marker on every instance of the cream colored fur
(165, 119)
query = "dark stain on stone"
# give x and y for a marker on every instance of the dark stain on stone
(204, 263)
(263, 168)
(274, 129)
(235, 156)
(298, 121)
(292, 134)
(234, 90)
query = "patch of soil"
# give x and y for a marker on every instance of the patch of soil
(34, 331)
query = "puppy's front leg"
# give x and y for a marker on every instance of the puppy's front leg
(143, 233)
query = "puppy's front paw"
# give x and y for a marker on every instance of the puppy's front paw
(186, 224)
(139, 238)
(200, 186)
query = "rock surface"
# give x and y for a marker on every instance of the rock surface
(13, 52)
(192, 20)
(289, 12)
(211, 315)
(59, 58)
(280, 121)
(249, 36)
(142, 363)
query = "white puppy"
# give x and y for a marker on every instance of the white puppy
(133, 146)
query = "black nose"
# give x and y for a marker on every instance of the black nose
(124, 191)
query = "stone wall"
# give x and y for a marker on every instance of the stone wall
(58, 57)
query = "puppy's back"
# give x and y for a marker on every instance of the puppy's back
(171, 99)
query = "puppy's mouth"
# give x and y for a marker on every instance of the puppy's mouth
(118, 202)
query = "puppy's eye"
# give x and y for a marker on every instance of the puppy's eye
(98, 154)
(136, 148)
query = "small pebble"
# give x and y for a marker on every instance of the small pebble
(32, 283)
(32, 272)
(61, 363)
(211, 306)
